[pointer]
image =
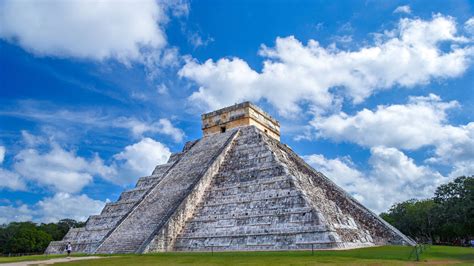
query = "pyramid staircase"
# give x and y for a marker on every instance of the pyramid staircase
(238, 190)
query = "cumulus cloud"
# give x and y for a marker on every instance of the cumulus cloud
(162, 126)
(403, 9)
(295, 74)
(92, 29)
(66, 173)
(59, 169)
(341, 170)
(469, 25)
(52, 209)
(9, 214)
(393, 177)
(62, 170)
(11, 180)
(419, 123)
(64, 205)
(140, 159)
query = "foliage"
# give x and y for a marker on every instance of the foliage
(28, 237)
(447, 217)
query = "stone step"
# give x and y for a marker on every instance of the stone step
(266, 247)
(252, 225)
(226, 186)
(283, 201)
(252, 196)
(249, 213)
(161, 169)
(246, 231)
(148, 181)
(134, 194)
(119, 206)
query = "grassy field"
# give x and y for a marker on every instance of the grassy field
(388, 255)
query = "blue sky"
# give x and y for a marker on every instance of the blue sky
(378, 95)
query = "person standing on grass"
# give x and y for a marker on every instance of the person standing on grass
(69, 249)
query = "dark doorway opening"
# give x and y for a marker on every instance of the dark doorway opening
(222, 129)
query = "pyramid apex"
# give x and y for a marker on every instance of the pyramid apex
(240, 115)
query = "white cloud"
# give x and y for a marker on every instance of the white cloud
(8, 179)
(457, 151)
(223, 82)
(62, 170)
(2, 154)
(84, 29)
(31, 140)
(15, 214)
(52, 209)
(59, 169)
(140, 159)
(11, 180)
(469, 25)
(403, 9)
(462, 168)
(393, 177)
(64, 205)
(341, 170)
(162, 126)
(92, 119)
(197, 40)
(179, 8)
(295, 74)
(398, 178)
(419, 123)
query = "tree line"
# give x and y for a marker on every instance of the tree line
(29, 237)
(447, 218)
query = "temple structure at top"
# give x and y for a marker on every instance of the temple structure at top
(240, 115)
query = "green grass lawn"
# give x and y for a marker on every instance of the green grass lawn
(388, 255)
(34, 257)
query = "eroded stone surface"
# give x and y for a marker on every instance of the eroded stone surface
(238, 190)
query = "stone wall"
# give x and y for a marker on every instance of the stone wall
(239, 115)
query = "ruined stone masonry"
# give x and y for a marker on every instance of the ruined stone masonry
(237, 188)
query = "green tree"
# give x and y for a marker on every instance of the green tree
(28, 237)
(414, 218)
(448, 217)
(455, 209)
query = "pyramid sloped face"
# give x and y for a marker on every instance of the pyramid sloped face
(238, 190)
(353, 224)
(265, 198)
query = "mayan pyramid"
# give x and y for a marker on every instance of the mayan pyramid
(236, 188)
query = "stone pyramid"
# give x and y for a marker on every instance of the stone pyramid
(237, 188)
